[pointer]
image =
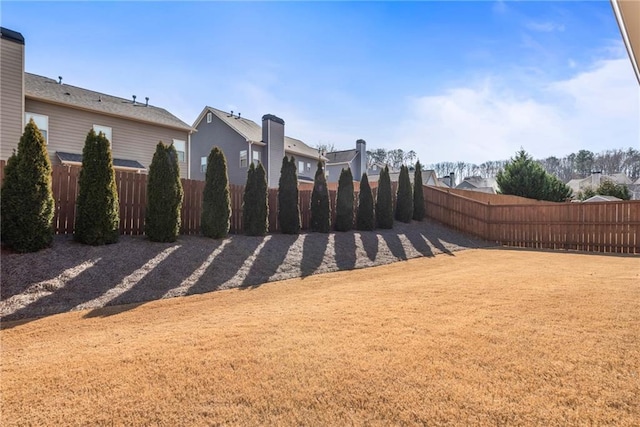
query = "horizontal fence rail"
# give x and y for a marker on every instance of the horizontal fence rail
(507, 220)
(592, 227)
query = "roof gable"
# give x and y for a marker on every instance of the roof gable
(49, 90)
(339, 157)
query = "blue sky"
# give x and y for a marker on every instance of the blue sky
(454, 81)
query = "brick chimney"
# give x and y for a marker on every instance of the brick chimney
(361, 148)
(273, 137)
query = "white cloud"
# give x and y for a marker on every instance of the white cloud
(544, 27)
(596, 110)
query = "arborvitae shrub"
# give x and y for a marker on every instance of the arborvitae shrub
(404, 199)
(164, 195)
(27, 200)
(344, 201)
(97, 207)
(418, 194)
(320, 209)
(384, 201)
(216, 199)
(365, 219)
(288, 208)
(255, 213)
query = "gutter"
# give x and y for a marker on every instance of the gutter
(624, 32)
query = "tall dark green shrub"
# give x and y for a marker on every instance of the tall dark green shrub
(384, 201)
(320, 208)
(216, 200)
(418, 194)
(97, 206)
(344, 201)
(365, 218)
(288, 207)
(164, 195)
(27, 200)
(404, 199)
(255, 213)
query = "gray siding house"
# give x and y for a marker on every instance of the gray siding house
(243, 141)
(356, 159)
(66, 113)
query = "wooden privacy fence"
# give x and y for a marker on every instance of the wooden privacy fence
(592, 227)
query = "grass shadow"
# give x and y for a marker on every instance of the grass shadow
(313, 249)
(345, 250)
(232, 257)
(271, 257)
(13, 265)
(370, 243)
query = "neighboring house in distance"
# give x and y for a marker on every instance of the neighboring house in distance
(447, 181)
(634, 190)
(595, 179)
(429, 177)
(355, 159)
(477, 183)
(65, 114)
(242, 140)
(601, 198)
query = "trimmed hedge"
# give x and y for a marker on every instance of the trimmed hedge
(365, 218)
(26, 198)
(164, 196)
(216, 202)
(288, 207)
(320, 208)
(404, 199)
(418, 194)
(344, 201)
(384, 201)
(97, 206)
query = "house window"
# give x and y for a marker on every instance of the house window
(203, 164)
(209, 117)
(180, 147)
(300, 167)
(243, 159)
(308, 167)
(256, 157)
(375, 167)
(106, 130)
(41, 121)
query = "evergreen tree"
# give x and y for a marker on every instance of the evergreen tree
(97, 206)
(418, 194)
(365, 219)
(216, 201)
(27, 200)
(164, 195)
(288, 205)
(255, 213)
(320, 209)
(344, 202)
(404, 199)
(606, 188)
(384, 201)
(524, 177)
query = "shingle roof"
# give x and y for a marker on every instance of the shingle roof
(118, 163)
(47, 89)
(338, 157)
(251, 131)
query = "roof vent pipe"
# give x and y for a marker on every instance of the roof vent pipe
(59, 80)
(146, 98)
(134, 99)
(239, 114)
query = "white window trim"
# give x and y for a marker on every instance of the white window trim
(177, 142)
(101, 128)
(39, 118)
(257, 157)
(301, 166)
(244, 155)
(209, 117)
(203, 164)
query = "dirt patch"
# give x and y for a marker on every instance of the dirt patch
(478, 337)
(70, 276)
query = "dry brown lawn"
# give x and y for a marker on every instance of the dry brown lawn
(480, 337)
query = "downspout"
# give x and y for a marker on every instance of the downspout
(189, 155)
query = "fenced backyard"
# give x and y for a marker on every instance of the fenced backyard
(508, 220)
